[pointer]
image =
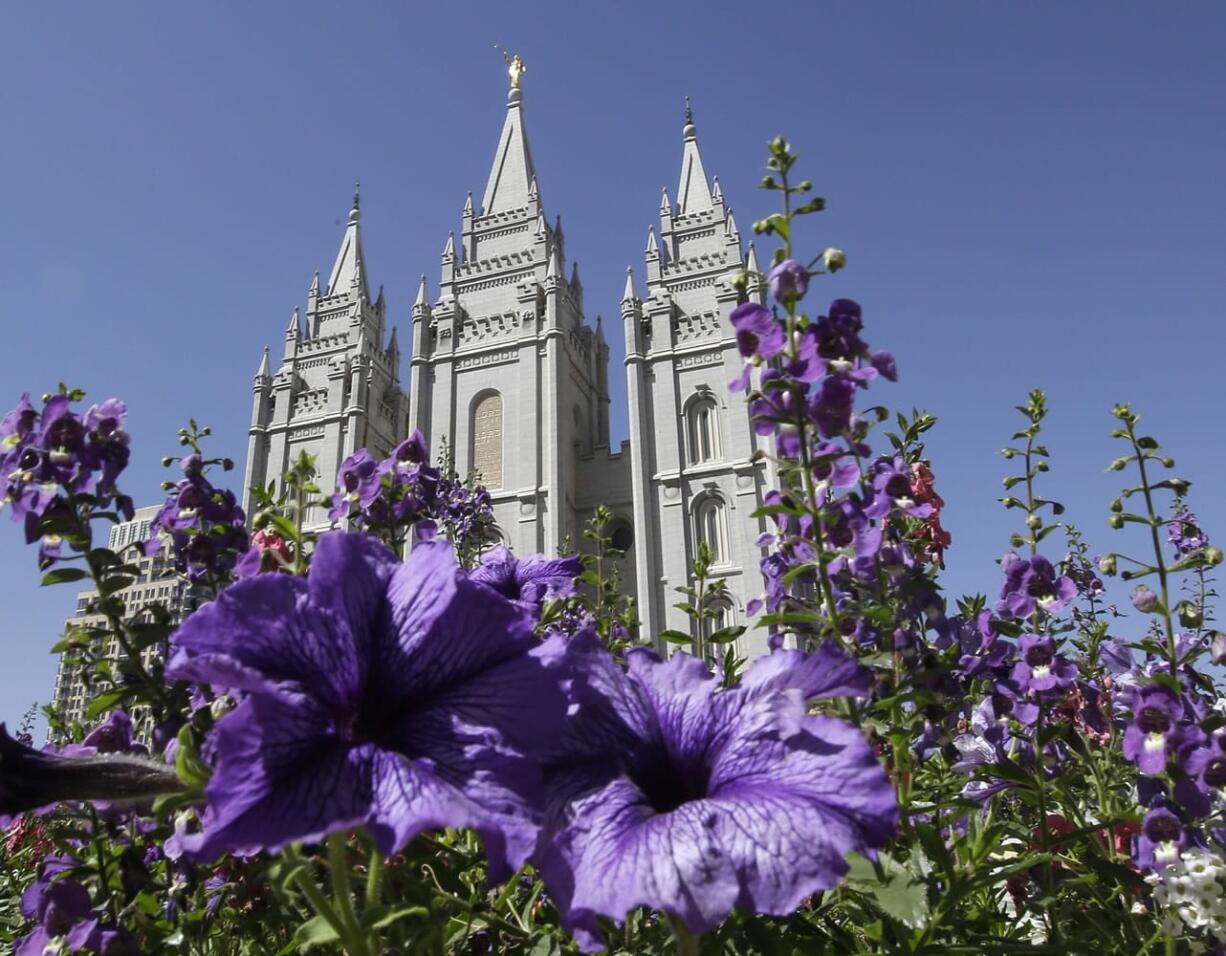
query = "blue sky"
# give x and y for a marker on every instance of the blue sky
(1029, 195)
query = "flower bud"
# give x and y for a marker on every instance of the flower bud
(1190, 615)
(834, 259)
(1116, 522)
(1144, 599)
(1212, 556)
(1034, 522)
(789, 281)
(1106, 564)
(1217, 649)
(221, 706)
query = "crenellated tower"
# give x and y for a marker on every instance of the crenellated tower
(504, 367)
(693, 472)
(338, 385)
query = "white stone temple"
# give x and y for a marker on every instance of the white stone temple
(507, 371)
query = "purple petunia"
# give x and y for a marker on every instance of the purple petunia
(1155, 731)
(532, 579)
(675, 794)
(1031, 585)
(401, 696)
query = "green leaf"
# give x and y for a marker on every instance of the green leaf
(315, 932)
(64, 575)
(899, 896)
(677, 637)
(104, 702)
(376, 918)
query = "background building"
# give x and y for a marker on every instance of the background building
(157, 583)
(506, 369)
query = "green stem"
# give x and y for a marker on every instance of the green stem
(338, 864)
(314, 894)
(687, 942)
(1159, 560)
(374, 879)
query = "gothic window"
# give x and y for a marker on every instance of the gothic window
(702, 426)
(487, 439)
(711, 525)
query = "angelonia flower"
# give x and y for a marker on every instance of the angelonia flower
(1144, 599)
(670, 792)
(405, 491)
(402, 696)
(1160, 841)
(203, 528)
(788, 281)
(48, 456)
(1039, 667)
(1183, 532)
(1155, 730)
(1031, 584)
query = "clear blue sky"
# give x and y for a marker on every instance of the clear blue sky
(1029, 194)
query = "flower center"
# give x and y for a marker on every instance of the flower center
(667, 783)
(1215, 773)
(1153, 721)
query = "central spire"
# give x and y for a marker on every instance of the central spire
(693, 192)
(349, 269)
(512, 174)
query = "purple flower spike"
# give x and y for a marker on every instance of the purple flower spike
(678, 795)
(788, 281)
(401, 696)
(758, 333)
(1155, 730)
(1039, 667)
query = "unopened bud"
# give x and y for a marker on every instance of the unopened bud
(1116, 522)
(221, 706)
(1034, 522)
(1190, 615)
(834, 259)
(1106, 564)
(1217, 649)
(1212, 555)
(1144, 599)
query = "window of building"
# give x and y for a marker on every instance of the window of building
(487, 439)
(702, 425)
(711, 525)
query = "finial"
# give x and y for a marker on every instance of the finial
(355, 211)
(689, 113)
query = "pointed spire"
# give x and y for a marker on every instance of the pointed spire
(379, 303)
(693, 193)
(295, 326)
(541, 228)
(574, 273)
(717, 194)
(314, 289)
(653, 248)
(468, 205)
(599, 328)
(629, 295)
(555, 264)
(512, 176)
(730, 225)
(666, 207)
(751, 261)
(449, 249)
(423, 297)
(263, 371)
(393, 347)
(534, 191)
(349, 269)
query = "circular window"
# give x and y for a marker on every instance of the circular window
(622, 537)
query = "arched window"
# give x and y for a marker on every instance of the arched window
(487, 439)
(711, 526)
(702, 427)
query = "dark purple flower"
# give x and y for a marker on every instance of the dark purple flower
(838, 334)
(1183, 531)
(203, 527)
(401, 696)
(788, 281)
(758, 334)
(1155, 730)
(678, 795)
(1039, 667)
(1161, 838)
(358, 483)
(1031, 585)
(410, 452)
(532, 579)
(885, 365)
(892, 490)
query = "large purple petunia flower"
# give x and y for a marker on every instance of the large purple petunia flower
(1155, 730)
(678, 795)
(401, 696)
(531, 579)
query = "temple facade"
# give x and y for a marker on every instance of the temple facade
(506, 371)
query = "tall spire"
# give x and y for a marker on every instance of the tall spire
(693, 192)
(512, 181)
(295, 325)
(263, 371)
(349, 270)
(423, 297)
(629, 294)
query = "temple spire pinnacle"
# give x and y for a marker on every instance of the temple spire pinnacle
(295, 326)
(263, 371)
(349, 269)
(693, 192)
(511, 182)
(629, 294)
(422, 295)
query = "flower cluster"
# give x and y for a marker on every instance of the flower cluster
(410, 696)
(48, 457)
(203, 527)
(404, 491)
(1190, 894)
